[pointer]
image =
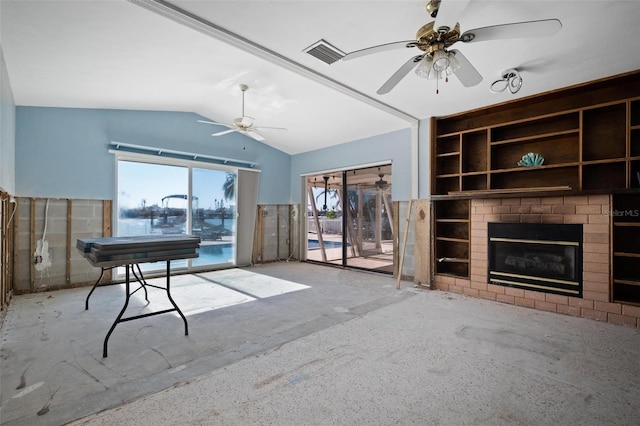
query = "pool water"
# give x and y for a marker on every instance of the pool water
(313, 244)
(214, 254)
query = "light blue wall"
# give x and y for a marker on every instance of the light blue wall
(63, 152)
(394, 146)
(7, 130)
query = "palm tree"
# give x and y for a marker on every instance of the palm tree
(332, 194)
(229, 186)
(229, 190)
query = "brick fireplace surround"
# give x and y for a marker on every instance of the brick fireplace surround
(590, 210)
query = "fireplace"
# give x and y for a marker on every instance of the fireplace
(536, 256)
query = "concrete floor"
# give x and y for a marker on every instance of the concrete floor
(347, 349)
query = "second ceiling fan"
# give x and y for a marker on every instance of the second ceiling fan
(435, 38)
(243, 124)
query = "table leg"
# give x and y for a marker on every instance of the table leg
(124, 308)
(141, 280)
(186, 326)
(86, 302)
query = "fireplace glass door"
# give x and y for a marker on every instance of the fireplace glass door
(539, 257)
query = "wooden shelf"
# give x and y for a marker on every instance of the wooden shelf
(452, 220)
(448, 154)
(454, 240)
(632, 224)
(536, 126)
(536, 137)
(624, 254)
(627, 282)
(513, 190)
(627, 302)
(607, 161)
(452, 260)
(528, 169)
(536, 178)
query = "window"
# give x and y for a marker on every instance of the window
(169, 199)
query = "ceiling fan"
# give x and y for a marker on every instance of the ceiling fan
(243, 124)
(381, 183)
(435, 38)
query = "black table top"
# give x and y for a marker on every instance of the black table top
(115, 251)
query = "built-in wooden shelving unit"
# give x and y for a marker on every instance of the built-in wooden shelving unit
(589, 136)
(452, 237)
(583, 149)
(626, 249)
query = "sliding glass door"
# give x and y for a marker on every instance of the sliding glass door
(350, 218)
(165, 199)
(370, 219)
(213, 215)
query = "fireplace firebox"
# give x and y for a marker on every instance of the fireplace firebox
(536, 256)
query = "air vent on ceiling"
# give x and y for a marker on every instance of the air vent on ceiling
(324, 51)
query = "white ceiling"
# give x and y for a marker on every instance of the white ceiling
(117, 54)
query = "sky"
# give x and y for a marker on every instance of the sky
(152, 182)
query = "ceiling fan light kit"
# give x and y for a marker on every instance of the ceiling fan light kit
(511, 79)
(440, 60)
(440, 65)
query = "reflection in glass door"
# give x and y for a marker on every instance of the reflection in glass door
(370, 219)
(350, 219)
(213, 215)
(157, 199)
(325, 218)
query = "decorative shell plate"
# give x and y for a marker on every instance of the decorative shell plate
(531, 160)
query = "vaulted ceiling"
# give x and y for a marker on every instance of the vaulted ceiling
(123, 54)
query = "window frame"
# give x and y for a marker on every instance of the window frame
(189, 165)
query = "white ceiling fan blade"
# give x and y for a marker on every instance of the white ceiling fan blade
(216, 124)
(255, 135)
(399, 75)
(542, 28)
(269, 128)
(449, 13)
(224, 132)
(467, 74)
(380, 48)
